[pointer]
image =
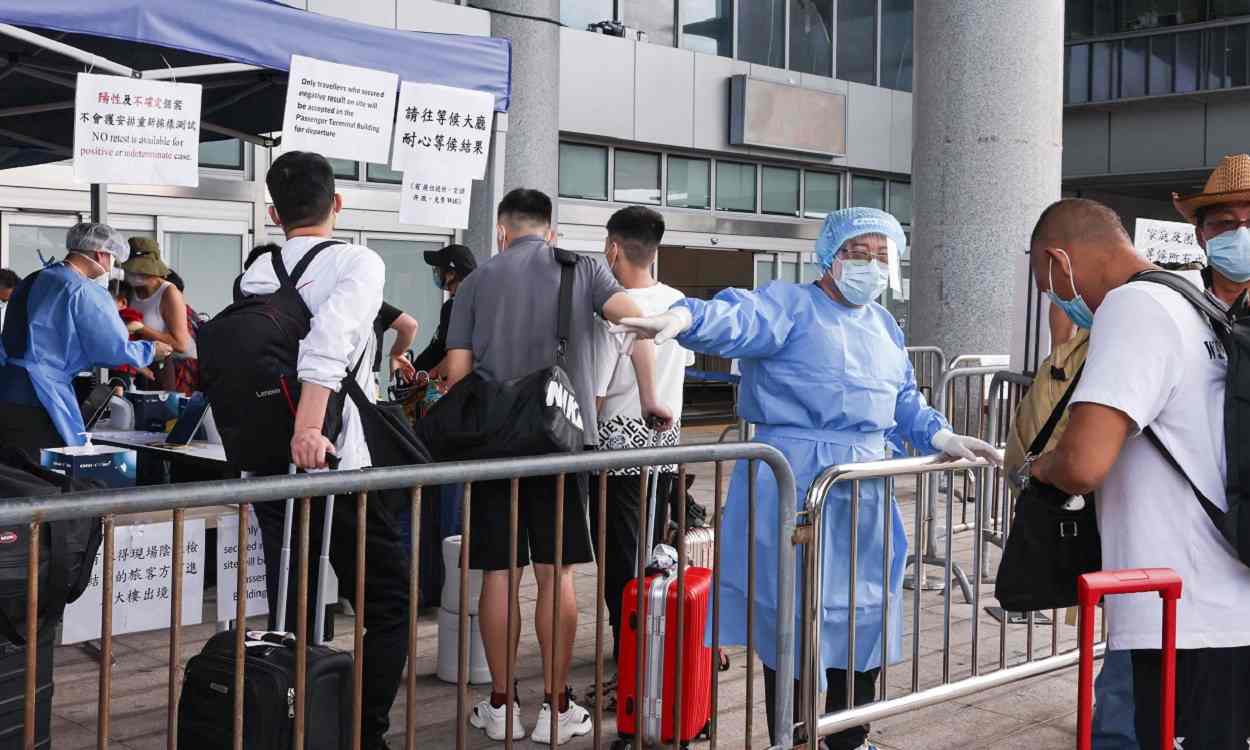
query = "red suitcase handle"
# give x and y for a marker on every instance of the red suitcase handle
(1090, 589)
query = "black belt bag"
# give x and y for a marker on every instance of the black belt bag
(1050, 543)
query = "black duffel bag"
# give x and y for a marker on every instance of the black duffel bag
(67, 548)
(1053, 539)
(532, 415)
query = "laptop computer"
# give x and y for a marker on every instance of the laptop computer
(190, 421)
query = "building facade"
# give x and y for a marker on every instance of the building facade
(1155, 93)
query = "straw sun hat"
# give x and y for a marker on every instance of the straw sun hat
(1229, 183)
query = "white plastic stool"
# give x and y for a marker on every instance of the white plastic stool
(451, 579)
(449, 649)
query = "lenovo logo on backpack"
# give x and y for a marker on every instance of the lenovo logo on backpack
(560, 397)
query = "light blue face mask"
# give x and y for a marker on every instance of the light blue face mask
(439, 282)
(1229, 253)
(1076, 309)
(863, 280)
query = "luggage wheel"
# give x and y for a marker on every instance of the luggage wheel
(724, 662)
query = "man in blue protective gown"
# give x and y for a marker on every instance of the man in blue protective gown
(825, 377)
(62, 321)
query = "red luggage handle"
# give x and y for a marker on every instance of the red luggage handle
(1090, 589)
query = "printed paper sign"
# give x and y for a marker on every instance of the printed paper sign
(133, 131)
(228, 567)
(443, 129)
(1167, 242)
(142, 582)
(339, 111)
(435, 199)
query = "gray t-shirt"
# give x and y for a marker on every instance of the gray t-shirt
(506, 314)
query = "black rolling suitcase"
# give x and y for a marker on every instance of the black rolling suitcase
(206, 709)
(205, 713)
(13, 693)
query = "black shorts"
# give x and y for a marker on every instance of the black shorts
(1212, 698)
(536, 523)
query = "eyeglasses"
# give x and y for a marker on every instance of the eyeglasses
(855, 253)
(1220, 226)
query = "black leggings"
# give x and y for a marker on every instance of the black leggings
(835, 700)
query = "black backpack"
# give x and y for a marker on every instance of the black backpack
(67, 548)
(248, 354)
(531, 415)
(1232, 329)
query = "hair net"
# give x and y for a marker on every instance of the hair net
(849, 223)
(92, 237)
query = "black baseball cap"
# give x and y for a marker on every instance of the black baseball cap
(455, 257)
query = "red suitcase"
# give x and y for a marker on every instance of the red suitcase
(1090, 589)
(654, 719)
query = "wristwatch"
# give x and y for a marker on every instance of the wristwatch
(1020, 478)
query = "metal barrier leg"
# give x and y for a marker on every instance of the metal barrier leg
(175, 626)
(414, 599)
(106, 638)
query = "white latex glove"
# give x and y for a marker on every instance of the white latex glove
(662, 327)
(965, 447)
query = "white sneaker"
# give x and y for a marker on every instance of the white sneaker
(494, 721)
(574, 722)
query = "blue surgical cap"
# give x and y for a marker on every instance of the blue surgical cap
(849, 223)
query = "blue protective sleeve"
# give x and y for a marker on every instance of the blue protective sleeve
(103, 335)
(738, 323)
(915, 420)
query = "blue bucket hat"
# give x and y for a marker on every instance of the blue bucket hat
(849, 223)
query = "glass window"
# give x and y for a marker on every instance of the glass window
(208, 264)
(822, 194)
(408, 287)
(583, 171)
(900, 201)
(27, 243)
(1076, 70)
(1133, 66)
(1216, 54)
(707, 26)
(857, 41)
(384, 174)
(1226, 8)
(1147, 14)
(1188, 61)
(1103, 71)
(1162, 49)
(1104, 16)
(1078, 19)
(735, 186)
(868, 191)
(781, 191)
(637, 177)
(689, 182)
(578, 14)
(654, 17)
(1235, 56)
(346, 169)
(811, 36)
(762, 32)
(1192, 11)
(896, 59)
(227, 154)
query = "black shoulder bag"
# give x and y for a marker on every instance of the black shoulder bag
(531, 415)
(1049, 546)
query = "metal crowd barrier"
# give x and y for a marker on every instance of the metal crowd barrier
(35, 511)
(961, 396)
(810, 535)
(927, 364)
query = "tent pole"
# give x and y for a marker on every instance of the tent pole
(61, 48)
(194, 71)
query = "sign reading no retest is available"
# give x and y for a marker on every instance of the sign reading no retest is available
(133, 131)
(339, 111)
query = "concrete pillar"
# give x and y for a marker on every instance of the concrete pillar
(988, 132)
(531, 147)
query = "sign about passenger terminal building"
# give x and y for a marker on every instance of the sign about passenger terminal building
(133, 131)
(339, 111)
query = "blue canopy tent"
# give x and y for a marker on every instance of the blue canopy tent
(239, 50)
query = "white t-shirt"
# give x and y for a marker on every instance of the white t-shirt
(620, 419)
(343, 289)
(1153, 357)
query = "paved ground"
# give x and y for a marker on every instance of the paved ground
(1037, 714)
